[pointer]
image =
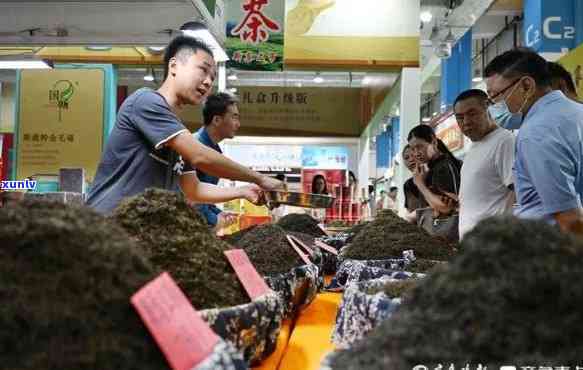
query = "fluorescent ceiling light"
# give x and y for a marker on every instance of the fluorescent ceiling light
(24, 64)
(477, 79)
(201, 32)
(156, 49)
(426, 16)
(426, 119)
(98, 47)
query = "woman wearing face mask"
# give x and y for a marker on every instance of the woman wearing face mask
(437, 176)
(413, 198)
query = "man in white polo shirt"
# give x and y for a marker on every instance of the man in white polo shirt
(486, 177)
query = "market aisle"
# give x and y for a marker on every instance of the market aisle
(273, 361)
(310, 339)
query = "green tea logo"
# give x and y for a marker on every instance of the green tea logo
(61, 95)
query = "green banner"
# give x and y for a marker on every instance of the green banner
(255, 34)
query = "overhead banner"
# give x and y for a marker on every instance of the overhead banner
(60, 121)
(308, 111)
(255, 34)
(549, 26)
(345, 32)
(573, 62)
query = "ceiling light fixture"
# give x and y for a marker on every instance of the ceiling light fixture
(200, 31)
(318, 79)
(426, 119)
(149, 75)
(426, 16)
(98, 47)
(156, 49)
(434, 33)
(450, 38)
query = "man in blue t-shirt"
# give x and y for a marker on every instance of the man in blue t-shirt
(221, 121)
(150, 147)
(548, 166)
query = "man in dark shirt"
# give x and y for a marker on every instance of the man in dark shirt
(150, 147)
(221, 121)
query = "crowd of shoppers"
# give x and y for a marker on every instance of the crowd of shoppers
(536, 173)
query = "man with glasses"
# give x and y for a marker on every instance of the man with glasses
(487, 182)
(548, 168)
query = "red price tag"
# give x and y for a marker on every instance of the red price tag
(325, 247)
(182, 335)
(302, 255)
(247, 274)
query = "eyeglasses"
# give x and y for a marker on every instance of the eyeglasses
(492, 99)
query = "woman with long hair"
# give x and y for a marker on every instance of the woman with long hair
(436, 175)
(319, 185)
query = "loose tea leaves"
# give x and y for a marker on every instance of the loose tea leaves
(389, 235)
(234, 238)
(301, 223)
(514, 296)
(394, 289)
(67, 276)
(177, 239)
(269, 250)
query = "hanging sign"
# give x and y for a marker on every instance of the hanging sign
(255, 34)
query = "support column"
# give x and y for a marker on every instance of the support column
(410, 117)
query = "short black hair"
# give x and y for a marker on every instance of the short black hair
(393, 188)
(559, 73)
(520, 62)
(183, 43)
(478, 94)
(217, 105)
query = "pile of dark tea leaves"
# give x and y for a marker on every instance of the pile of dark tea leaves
(389, 235)
(513, 296)
(177, 239)
(394, 289)
(269, 250)
(67, 278)
(301, 223)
